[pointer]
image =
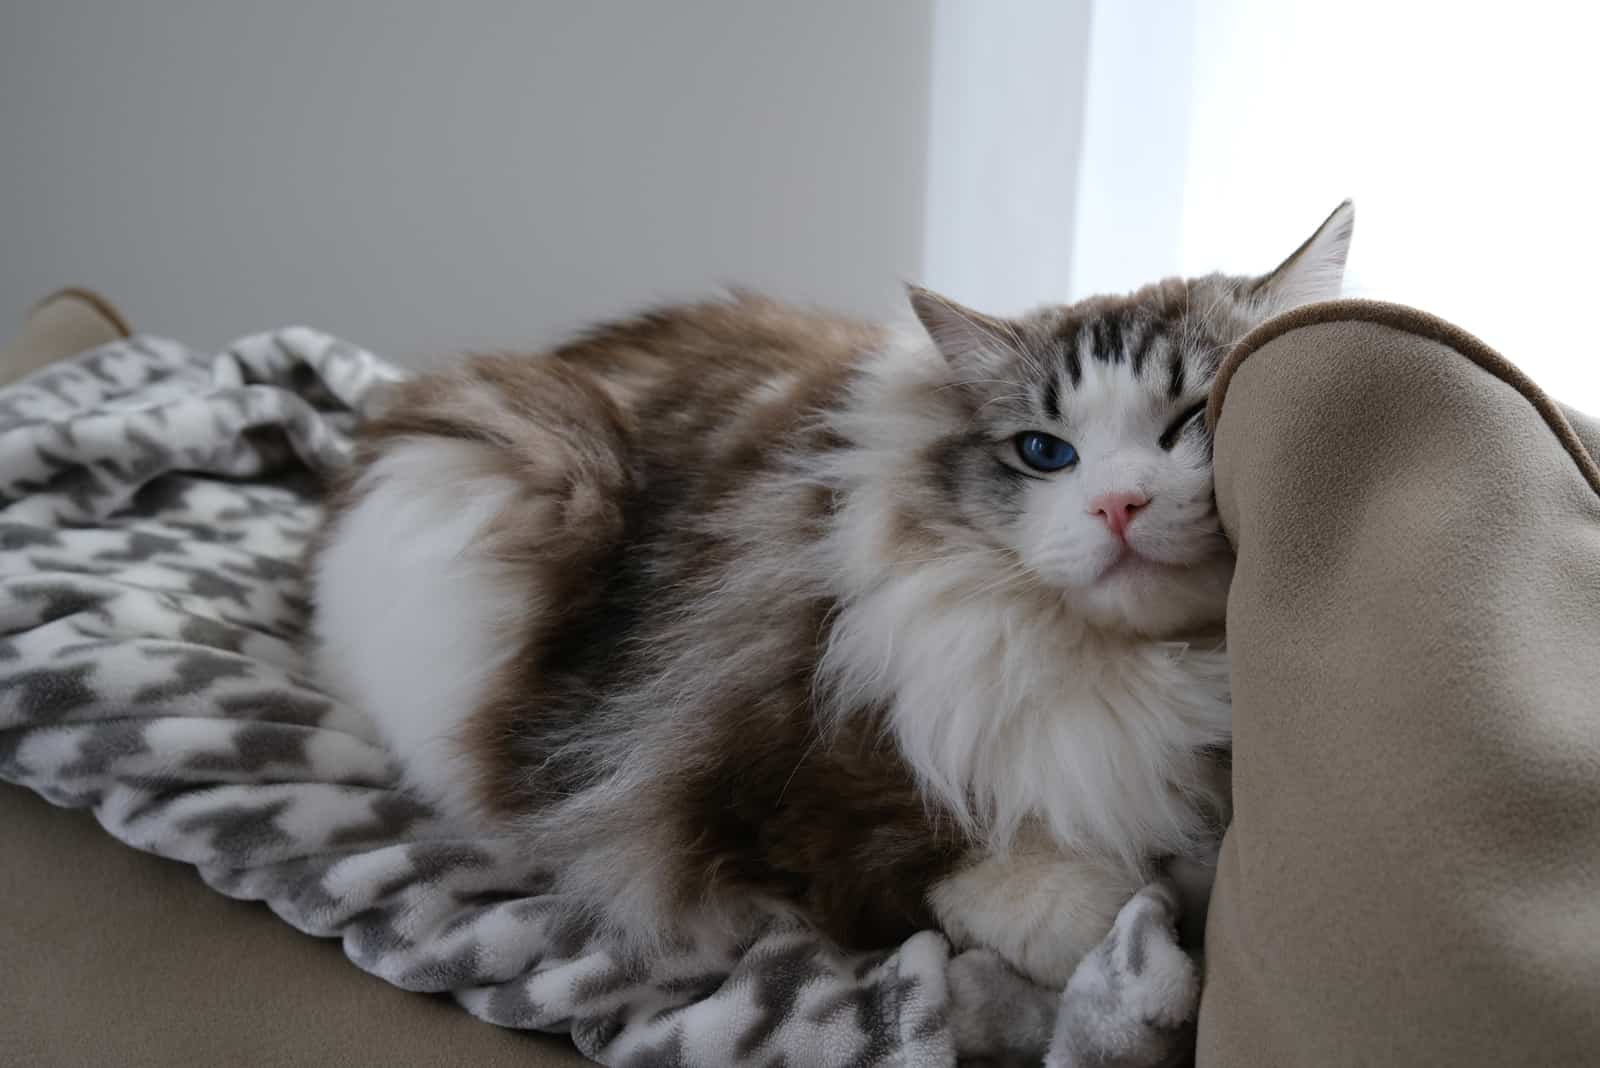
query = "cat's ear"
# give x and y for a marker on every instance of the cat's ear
(970, 340)
(1315, 271)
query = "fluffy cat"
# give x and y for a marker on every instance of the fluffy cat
(733, 607)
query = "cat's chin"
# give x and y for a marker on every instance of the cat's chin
(1132, 566)
(1138, 595)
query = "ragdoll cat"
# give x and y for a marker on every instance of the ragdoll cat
(733, 607)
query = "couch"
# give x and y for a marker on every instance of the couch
(1413, 872)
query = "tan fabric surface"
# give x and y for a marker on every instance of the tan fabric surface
(115, 957)
(1413, 872)
(62, 324)
(1586, 426)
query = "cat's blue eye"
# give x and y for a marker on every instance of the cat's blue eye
(1045, 452)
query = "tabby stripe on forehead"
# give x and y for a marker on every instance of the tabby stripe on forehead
(1113, 337)
(1175, 373)
(1052, 398)
(1139, 349)
(1069, 356)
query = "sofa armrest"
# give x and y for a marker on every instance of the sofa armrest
(1413, 871)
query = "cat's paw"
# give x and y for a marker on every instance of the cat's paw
(1133, 1000)
(996, 1015)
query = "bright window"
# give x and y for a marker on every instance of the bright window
(1468, 134)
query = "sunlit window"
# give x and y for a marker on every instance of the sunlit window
(1468, 134)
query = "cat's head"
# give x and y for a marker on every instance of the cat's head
(1075, 448)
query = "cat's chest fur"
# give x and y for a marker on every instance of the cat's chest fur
(1010, 712)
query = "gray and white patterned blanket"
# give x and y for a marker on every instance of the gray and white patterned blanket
(155, 503)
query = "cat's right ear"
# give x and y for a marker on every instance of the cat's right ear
(970, 340)
(1315, 270)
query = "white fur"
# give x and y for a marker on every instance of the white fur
(1012, 711)
(411, 622)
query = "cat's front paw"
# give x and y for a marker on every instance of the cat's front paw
(1133, 1000)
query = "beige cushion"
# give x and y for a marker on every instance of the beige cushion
(114, 957)
(1413, 872)
(66, 322)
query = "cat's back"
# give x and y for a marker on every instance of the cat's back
(703, 355)
(512, 498)
(688, 375)
(743, 334)
(687, 388)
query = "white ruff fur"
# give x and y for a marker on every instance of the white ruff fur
(1008, 708)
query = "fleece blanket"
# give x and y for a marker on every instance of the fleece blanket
(155, 505)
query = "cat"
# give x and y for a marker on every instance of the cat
(734, 607)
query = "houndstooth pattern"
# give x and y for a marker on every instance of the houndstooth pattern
(155, 504)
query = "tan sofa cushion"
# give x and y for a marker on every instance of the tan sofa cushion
(114, 957)
(1413, 872)
(66, 322)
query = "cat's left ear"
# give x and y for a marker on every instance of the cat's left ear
(969, 340)
(1316, 269)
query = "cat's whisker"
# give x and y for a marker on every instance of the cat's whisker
(1006, 398)
(1018, 576)
(953, 556)
(966, 382)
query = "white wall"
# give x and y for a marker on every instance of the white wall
(1007, 127)
(419, 176)
(1130, 199)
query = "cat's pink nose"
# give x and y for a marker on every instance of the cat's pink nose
(1116, 510)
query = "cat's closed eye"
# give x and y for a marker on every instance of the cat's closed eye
(1045, 452)
(1169, 437)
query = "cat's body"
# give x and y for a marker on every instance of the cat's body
(732, 607)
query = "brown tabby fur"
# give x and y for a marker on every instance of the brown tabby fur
(669, 405)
